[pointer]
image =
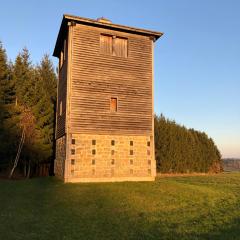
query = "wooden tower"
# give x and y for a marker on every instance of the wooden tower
(105, 113)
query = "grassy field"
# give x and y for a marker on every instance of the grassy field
(197, 207)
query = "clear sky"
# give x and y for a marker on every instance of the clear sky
(197, 61)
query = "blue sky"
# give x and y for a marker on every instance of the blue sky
(197, 61)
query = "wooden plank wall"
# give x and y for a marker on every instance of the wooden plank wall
(62, 94)
(97, 77)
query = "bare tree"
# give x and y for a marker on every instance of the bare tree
(27, 123)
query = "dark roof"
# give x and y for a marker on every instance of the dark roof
(102, 24)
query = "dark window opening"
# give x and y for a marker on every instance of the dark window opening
(113, 104)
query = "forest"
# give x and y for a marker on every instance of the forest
(27, 118)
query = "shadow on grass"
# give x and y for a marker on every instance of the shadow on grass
(49, 209)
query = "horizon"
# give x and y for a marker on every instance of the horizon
(196, 61)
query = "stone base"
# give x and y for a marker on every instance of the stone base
(114, 179)
(106, 158)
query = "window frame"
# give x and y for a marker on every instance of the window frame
(110, 101)
(113, 52)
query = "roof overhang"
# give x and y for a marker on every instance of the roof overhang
(86, 21)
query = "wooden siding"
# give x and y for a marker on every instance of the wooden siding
(97, 77)
(61, 99)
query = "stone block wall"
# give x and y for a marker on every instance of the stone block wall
(95, 158)
(59, 163)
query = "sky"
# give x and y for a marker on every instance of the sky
(197, 61)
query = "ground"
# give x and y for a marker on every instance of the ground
(192, 207)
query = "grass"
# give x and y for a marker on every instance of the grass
(197, 207)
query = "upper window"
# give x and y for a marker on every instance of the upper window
(63, 54)
(112, 45)
(120, 47)
(106, 44)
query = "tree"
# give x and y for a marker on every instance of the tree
(181, 150)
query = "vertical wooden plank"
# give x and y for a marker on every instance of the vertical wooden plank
(153, 167)
(68, 101)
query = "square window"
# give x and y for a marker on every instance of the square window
(72, 161)
(73, 141)
(148, 143)
(93, 151)
(113, 104)
(112, 142)
(93, 142)
(106, 46)
(93, 162)
(131, 143)
(131, 152)
(72, 151)
(120, 47)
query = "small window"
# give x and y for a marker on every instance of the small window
(149, 171)
(112, 142)
(93, 162)
(120, 47)
(61, 59)
(72, 172)
(60, 109)
(112, 152)
(72, 161)
(131, 161)
(148, 152)
(94, 152)
(131, 152)
(93, 171)
(148, 144)
(112, 162)
(65, 50)
(72, 151)
(93, 142)
(131, 143)
(106, 44)
(113, 104)
(73, 141)
(149, 162)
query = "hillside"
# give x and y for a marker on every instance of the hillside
(231, 164)
(197, 207)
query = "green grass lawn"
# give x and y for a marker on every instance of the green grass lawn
(198, 207)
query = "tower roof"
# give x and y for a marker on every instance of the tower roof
(101, 23)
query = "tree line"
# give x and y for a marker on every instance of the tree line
(182, 150)
(27, 101)
(27, 118)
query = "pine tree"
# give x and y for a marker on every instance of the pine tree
(44, 106)
(181, 150)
